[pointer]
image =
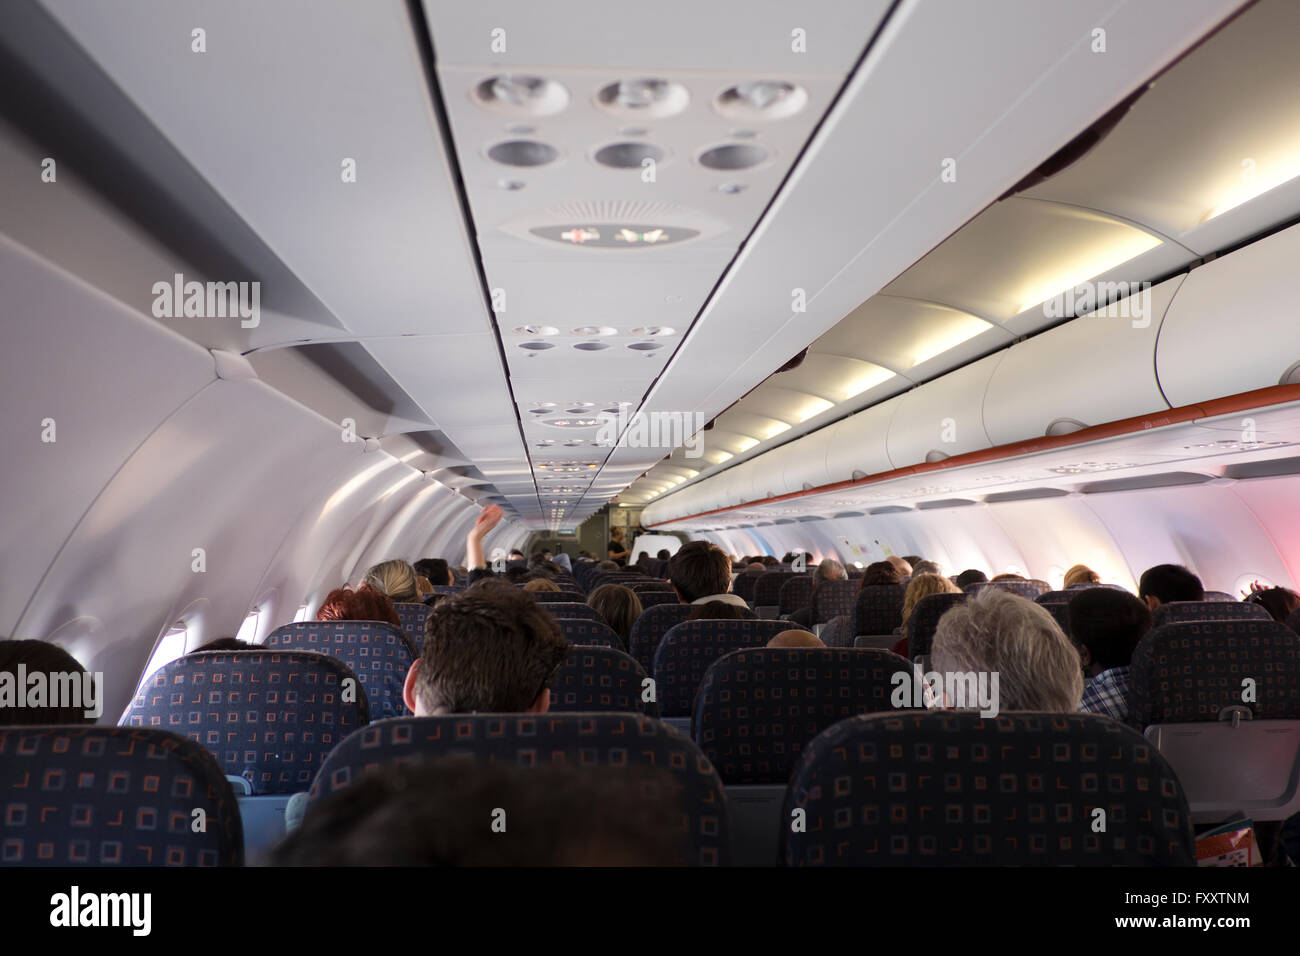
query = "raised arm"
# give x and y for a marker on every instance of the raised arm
(487, 520)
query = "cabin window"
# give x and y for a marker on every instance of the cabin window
(248, 630)
(169, 648)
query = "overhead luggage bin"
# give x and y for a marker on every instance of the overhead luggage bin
(943, 418)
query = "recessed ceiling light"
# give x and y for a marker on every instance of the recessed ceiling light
(537, 346)
(645, 346)
(590, 346)
(510, 185)
(628, 155)
(731, 188)
(732, 156)
(523, 152)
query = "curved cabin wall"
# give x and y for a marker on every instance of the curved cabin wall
(155, 456)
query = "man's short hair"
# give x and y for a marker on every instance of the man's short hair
(995, 631)
(1109, 623)
(435, 569)
(881, 572)
(970, 576)
(489, 649)
(925, 567)
(1170, 582)
(439, 813)
(699, 569)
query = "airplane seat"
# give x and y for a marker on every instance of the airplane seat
(796, 593)
(745, 584)
(114, 796)
(833, 598)
(1025, 589)
(879, 609)
(688, 649)
(595, 678)
(653, 598)
(379, 654)
(1176, 612)
(269, 718)
(925, 619)
(1293, 622)
(1219, 596)
(582, 739)
(951, 788)
(755, 711)
(573, 610)
(413, 617)
(767, 591)
(555, 597)
(590, 633)
(649, 629)
(1221, 700)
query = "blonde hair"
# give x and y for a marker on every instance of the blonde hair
(1081, 574)
(923, 585)
(995, 631)
(541, 584)
(395, 578)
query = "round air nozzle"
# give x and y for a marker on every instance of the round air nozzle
(517, 94)
(643, 97)
(761, 100)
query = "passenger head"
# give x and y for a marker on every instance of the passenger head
(925, 567)
(607, 566)
(436, 570)
(225, 644)
(1169, 582)
(699, 569)
(395, 578)
(490, 649)
(969, 577)
(618, 606)
(517, 574)
(922, 586)
(913, 560)
(1106, 625)
(436, 813)
(717, 611)
(904, 569)
(995, 632)
(1081, 574)
(881, 572)
(795, 638)
(517, 555)
(61, 671)
(1280, 603)
(363, 604)
(662, 554)
(1008, 576)
(830, 570)
(541, 584)
(756, 566)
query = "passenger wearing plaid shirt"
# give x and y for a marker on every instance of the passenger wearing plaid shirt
(1106, 626)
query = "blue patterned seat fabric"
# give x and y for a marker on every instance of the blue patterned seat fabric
(925, 618)
(596, 633)
(600, 678)
(833, 598)
(113, 796)
(413, 617)
(1190, 671)
(378, 653)
(757, 709)
(653, 598)
(1176, 612)
(649, 630)
(1025, 589)
(689, 648)
(584, 740)
(879, 609)
(574, 610)
(767, 591)
(796, 593)
(556, 597)
(745, 584)
(270, 717)
(947, 788)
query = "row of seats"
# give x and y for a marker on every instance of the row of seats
(879, 789)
